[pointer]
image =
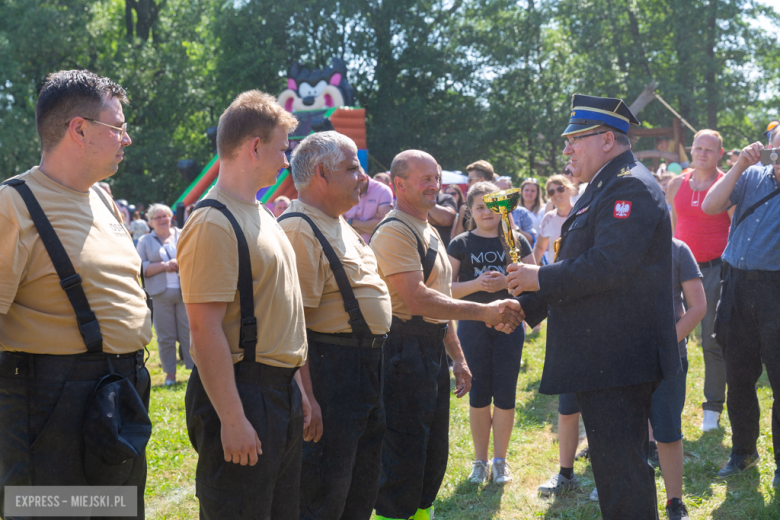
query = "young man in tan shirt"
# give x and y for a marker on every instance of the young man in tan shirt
(245, 414)
(414, 264)
(47, 368)
(343, 372)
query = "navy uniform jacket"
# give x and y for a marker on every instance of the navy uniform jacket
(609, 295)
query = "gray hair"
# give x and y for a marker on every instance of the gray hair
(326, 148)
(156, 208)
(620, 138)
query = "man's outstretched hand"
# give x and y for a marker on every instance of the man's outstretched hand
(521, 278)
(512, 306)
(503, 312)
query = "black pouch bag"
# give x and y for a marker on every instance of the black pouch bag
(116, 430)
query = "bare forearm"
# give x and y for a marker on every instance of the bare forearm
(461, 289)
(305, 379)
(718, 199)
(452, 343)
(689, 321)
(215, 366)
(441, 216)
(304, 394)
(154, 268)
(539, 250)
(433, 304)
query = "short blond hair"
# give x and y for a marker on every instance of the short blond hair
(713, 133)
(251, 114)
(282, 198)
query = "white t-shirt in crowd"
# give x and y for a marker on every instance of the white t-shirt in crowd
(580, 191)
(536, 219)
(551, 228)
(168, 253)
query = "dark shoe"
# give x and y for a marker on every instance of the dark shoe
(584, 453)
(675, 510)
(737, 464)
(652, 456)
(776, 480)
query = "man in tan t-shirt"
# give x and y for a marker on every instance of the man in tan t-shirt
(47, 370)
(414, 263)
(343, 372)
(243, 407)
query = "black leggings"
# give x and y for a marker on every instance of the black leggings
(494, 360)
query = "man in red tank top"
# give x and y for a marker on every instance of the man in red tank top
(707, 236)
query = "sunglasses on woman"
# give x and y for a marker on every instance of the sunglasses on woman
(559, 189)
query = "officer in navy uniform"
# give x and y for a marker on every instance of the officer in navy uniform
(611, 330)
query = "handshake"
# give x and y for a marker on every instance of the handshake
(506, 315)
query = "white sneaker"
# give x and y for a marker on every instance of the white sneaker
(557, 484)
(480, 472)
(711, 421)
(502, 473)
(594, 495)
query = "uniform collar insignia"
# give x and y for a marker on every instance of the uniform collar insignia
(583, 210)
(625, 171)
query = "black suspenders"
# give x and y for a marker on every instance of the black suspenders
(70, 281)
(427, 259)
(356, 320)
(248, 338)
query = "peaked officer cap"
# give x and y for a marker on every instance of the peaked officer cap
(590, 111)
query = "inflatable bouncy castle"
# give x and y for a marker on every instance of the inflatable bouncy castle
(321, 100)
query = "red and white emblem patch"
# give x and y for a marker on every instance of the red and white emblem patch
(622, 208)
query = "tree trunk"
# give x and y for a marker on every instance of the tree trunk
(685, 16)
(712, 66)
(129, 5)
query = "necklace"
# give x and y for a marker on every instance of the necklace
(695, 201)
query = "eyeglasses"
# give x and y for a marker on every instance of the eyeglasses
(161, 217)
(571, 140)
(559, 189)
(121, 129)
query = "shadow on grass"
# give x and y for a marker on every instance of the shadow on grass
(704, 457)
(471, 501)
(743, 500)
(574, 505)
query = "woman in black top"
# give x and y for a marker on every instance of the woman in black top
(479, 263)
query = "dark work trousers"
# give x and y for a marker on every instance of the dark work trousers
(714, 365)
(616, 423)
(416, 393)
(43, 399)
(269, 489)
(340, 473)
(752, 335)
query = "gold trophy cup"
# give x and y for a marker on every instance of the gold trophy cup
(504, 202)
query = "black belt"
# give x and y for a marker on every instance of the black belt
(51, 367)
(755, 275)
(711, 263)
(419, 327)
(265, 375)
(346, 340)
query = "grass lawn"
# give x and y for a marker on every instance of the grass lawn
(533, 454)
